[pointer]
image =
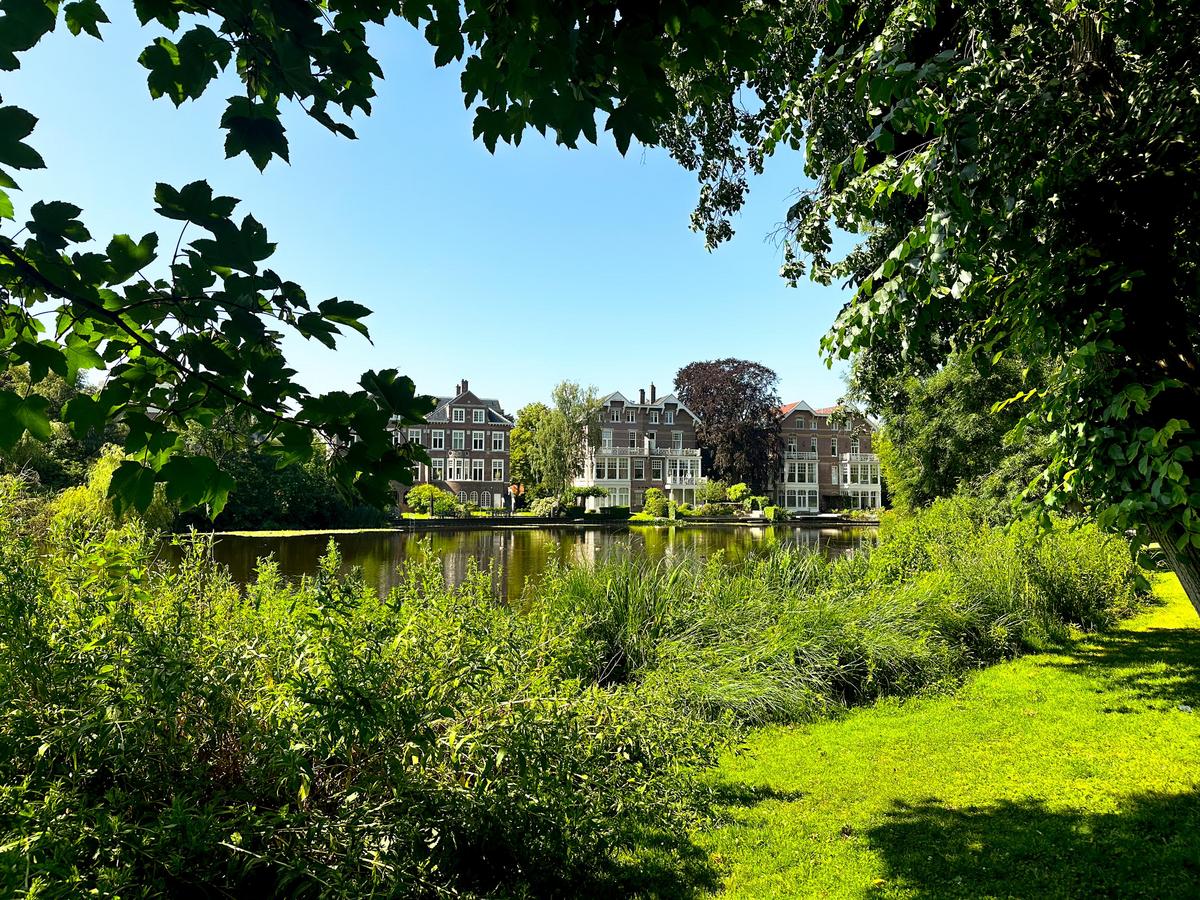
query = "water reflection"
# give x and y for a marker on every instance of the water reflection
(519, 553)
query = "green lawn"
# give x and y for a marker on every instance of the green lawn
(1066, 774)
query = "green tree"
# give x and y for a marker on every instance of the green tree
(942, 436)
(186, 335)
(522, 450)
(429, 498)
(564, 436)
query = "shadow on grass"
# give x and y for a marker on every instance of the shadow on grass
(1149, 848)
(1160, 666)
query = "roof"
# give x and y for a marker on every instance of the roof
(825, 411)
(649, 404)
(495, 412)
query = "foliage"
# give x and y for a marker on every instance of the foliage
(737, 402)
(713, 490)
(941, 435)
(166, 731)
(430, 498)
(546, 507)
(737, 492)
(982, 791)
(523, 456)
(563, 436)
(62, 460)
(655, 503)
(185, 336)
(88, 507)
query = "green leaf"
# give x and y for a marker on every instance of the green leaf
(81, 355)
(182, 71)
(195, 480)
(85, 15)
(25, 22)
(192, 203)
(345, 312)
(85, 415)
(54, 224)
(132, 487)
(20, 414)
(127, 258)
(254, 129)
(16, 124)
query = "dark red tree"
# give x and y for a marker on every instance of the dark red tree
(738, 405)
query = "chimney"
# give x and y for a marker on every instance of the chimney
(653, 392)
(462, 386)
(642, 396)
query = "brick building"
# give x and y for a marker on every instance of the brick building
(644, 443)
(467, 439)
(826, 464)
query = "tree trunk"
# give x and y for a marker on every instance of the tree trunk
(1184, 563)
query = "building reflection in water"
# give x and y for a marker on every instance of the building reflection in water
(517, 554)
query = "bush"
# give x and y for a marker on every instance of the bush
(421, 497)
(655, 504)
(737, 492)
(612, 512)
(546, 507)
(167, 732)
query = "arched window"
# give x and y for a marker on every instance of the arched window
(854, 445)
(475, 497)
(462, 496)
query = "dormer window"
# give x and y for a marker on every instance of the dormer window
(478, 416)
(458, 415)
(630, 415)
(670, 414)
(614, 415)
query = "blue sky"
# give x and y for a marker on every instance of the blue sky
(515, 270)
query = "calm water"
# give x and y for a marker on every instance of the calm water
(519, 553)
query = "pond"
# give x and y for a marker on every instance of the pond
(518, 553)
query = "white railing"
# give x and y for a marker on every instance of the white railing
(685, 480)
(800, 454)
(672, 451)
(859, 458)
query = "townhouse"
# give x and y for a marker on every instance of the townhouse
(467, 439)
(647, 443)
(827, 461)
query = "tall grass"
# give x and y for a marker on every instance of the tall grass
(165, 731)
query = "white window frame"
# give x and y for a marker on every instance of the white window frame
(478, 441)
(670, 416)
(633, 440)
(497, 470)
(477, 470)
(606, 438)
(654, 417)
(497, 441)
(676, 440)
(478, 416)
(414, 435)
(438, 439)
(656, 469)
(458, 440)
(458, 415)
(652, 437)
(614, 415)
(639, 468)
(438, 469)
(631, 415)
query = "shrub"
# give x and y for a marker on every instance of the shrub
(421, 497)
(546, 507)
(655, 503)
(737, 492)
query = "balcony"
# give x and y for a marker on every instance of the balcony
(800, 454)
(859, 458)
(681, 481)
(671, 451)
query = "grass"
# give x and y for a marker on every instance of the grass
(1061, 774)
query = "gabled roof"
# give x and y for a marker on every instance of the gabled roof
(825, 411)
(659, 403)
(788, 408)
(495, 412)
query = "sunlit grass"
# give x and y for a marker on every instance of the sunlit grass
(1067, 773)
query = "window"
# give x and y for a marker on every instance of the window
(606, 438)
(614, 415)
(477, 470)
(477, 440)
(458, 469)
(414, 435)
(812, 444)
(639, 497)
(485, 499)
(459, 415)
(812, 424)
(633, 440)
(676, 440)
(834, 474)
(497, 470)
(630, 415)
(439, 469)
(652, 437)
(475, 497)
(792, 446)
(670, 414)
(639, 468)
(439, 440)
(462, 496)
(478, 416)
(458, 440)
(497, 441)
(854, 445)
(654, 417)
(656, 469)
(833, 446)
